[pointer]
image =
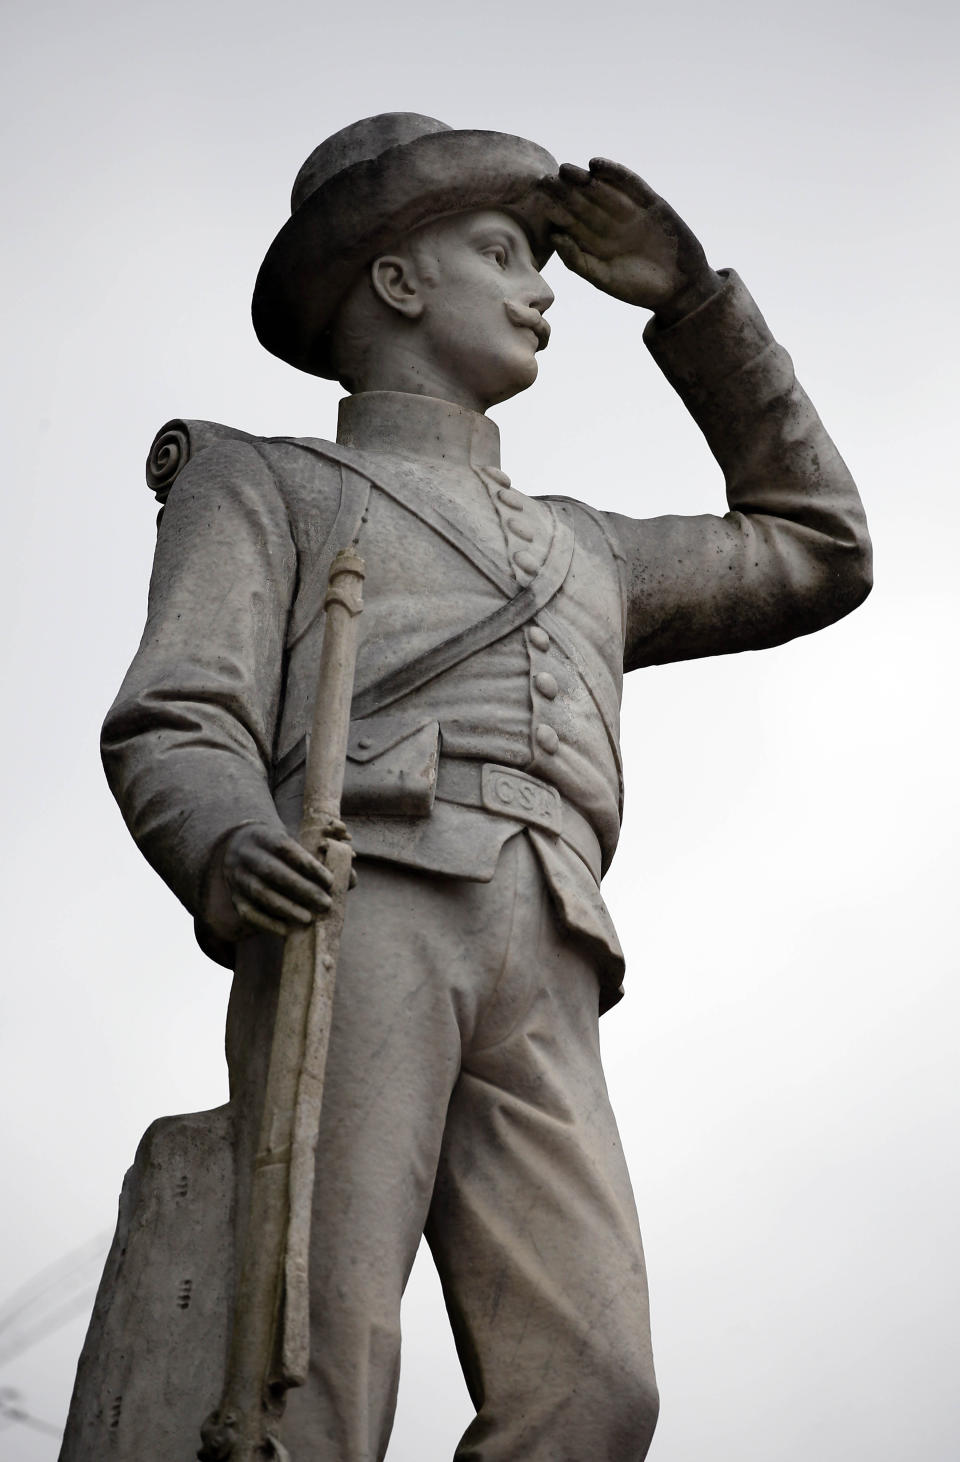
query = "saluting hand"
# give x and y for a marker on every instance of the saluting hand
(621, 236)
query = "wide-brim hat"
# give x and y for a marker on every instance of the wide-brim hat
(359, 193)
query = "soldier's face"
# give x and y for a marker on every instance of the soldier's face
(483, 303)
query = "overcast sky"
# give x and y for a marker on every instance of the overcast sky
(784, 1064)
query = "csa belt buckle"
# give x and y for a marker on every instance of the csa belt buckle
(514, 794)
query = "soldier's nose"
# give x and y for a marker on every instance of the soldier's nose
(543, 296)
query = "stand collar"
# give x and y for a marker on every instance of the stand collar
(418, 427)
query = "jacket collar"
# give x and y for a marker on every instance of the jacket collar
(421, 428)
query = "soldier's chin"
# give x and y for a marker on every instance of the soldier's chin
(522, 372)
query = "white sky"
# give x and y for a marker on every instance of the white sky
(784, 1066)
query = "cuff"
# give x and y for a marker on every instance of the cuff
(715, 341)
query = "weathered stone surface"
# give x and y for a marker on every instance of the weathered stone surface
(464, 1094)
(152, 1364)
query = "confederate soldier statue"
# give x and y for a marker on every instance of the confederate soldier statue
(464, 1095)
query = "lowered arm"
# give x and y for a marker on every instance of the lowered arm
(188, 741)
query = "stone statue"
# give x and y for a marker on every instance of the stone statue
(464, 1096)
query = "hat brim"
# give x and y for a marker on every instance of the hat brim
(365, 209)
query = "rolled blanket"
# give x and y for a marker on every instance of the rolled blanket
(174, 445)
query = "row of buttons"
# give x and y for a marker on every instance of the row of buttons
(545, 736)
(546, 685)
(525, 561)
(547, 739)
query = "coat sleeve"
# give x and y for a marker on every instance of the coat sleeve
(188, 742)
(792, 555)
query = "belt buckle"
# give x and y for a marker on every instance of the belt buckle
(514, 794)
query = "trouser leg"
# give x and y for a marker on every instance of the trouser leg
(420, 955)
(394, 1057)
(532, 1220)
(533, 1224)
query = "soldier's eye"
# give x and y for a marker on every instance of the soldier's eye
(499, 255)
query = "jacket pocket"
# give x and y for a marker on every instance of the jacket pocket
(391, 768)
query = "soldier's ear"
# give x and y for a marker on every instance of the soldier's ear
(395, 280)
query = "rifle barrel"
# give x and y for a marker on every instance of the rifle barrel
(270, 1335)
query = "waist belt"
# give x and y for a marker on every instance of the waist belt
(517, 795)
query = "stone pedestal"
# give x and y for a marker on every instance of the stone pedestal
(152, 1365)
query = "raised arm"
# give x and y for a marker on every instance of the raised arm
(792, 554)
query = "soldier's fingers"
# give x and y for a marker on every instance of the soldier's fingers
(591, 193)
(568, 193)
(250, 914)
(576, 207)
(275, 877)
(273, 855)
(269, 900)
(558, 195)
(571, 253)
(569, 172)
(611, 199)
(588, 212)
(579, 221)
(304, 862)
(620, 177)
(306, 892)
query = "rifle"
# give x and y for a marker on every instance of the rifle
(270, 1335)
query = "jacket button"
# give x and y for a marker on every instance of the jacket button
(546, 684)
(521, 529)
(547, 739)
(525, 560)
(539, 638)
(364, 743)
(511, 499)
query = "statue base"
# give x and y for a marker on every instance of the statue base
(153, 1361)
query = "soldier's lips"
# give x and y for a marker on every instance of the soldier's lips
(528, 319)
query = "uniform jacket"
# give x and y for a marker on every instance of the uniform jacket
(207, 731)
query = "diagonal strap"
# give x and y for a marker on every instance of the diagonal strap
(354, 497)
(518, 610)
(420, 506)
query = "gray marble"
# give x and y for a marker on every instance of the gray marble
(464, 1095)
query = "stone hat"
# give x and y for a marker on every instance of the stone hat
(359, 193)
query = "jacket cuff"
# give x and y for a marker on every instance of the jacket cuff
(711, 344)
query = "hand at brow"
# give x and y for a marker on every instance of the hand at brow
(613, 230)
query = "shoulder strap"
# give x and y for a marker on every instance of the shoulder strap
(354, 499)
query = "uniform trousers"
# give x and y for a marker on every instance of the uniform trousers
(465, 1098)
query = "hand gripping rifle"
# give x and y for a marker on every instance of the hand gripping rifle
(270, 1337)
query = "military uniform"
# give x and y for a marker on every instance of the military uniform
(464, 1091)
